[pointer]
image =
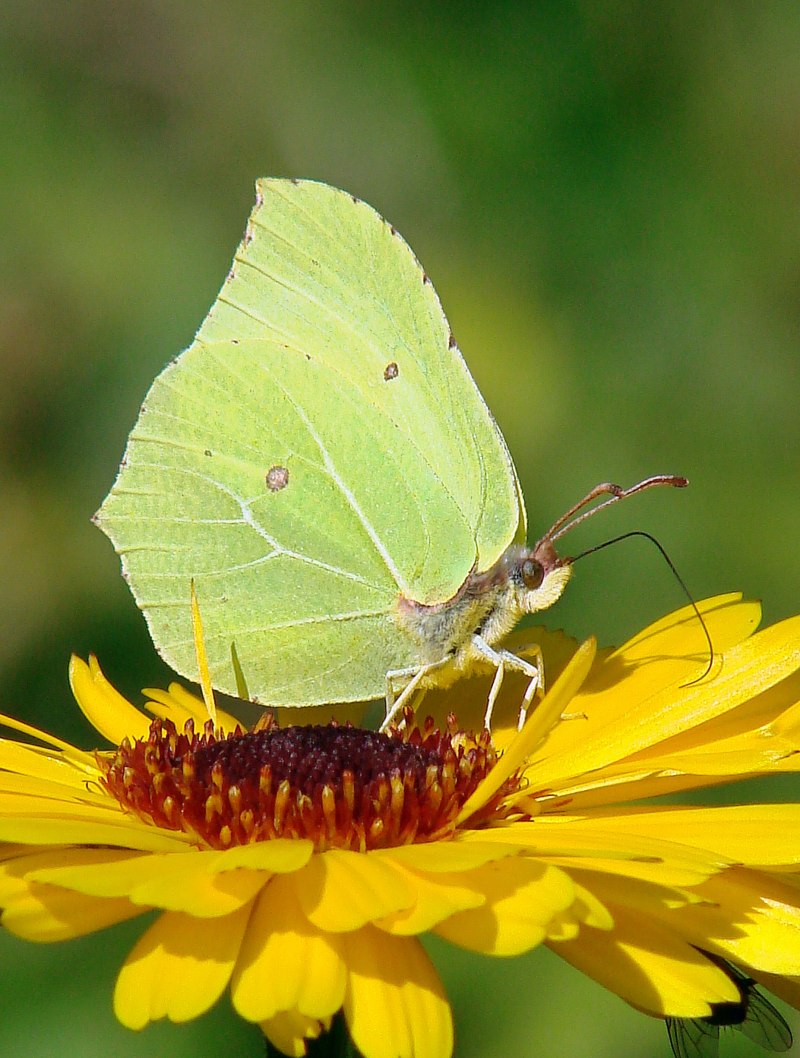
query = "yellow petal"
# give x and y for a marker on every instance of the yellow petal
(786, 722)
(654, 774)
(167, 707)
(395, 1006)
(177, 882)
(627, 712)
(707, 760)
(178, 969)
(285, 964)
(341, 891)
(279, 856)
(44, 800)
(785, 988)
(585, 910)
(661, 660)
(20, 861)
(179, 705)
(438, 897)
(760, 735)
(50, 745)
(760, 834)
(734, 758)
(598, 788)
(728, 619)
(344, 712)
(42, 826)
(103, 706)
(522, 898)
(16, 864)
(83, 789)
(649, 897)
(465, 852)
(756, 922)
(587, 843)
(771, 715)
(649, 966)
(82, 869)
(35, 762)
(289, 1032)
(450, 887)
(45, 913)
(192, 703)
(610, 786)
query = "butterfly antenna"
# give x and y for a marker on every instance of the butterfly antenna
(615, 493)
(676, 575)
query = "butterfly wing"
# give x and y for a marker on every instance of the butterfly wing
(763, 1023)
(319, 450)
(754, 1016)
(693, 1037)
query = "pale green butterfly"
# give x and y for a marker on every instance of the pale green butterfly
(320, 462)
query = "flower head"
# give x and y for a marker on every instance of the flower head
(297, 865)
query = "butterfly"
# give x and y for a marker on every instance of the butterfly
(322, 465)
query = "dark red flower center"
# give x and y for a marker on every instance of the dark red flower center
(339, 786)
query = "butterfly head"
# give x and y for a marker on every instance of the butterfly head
(537, 575)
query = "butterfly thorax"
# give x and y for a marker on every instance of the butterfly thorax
(488, 604)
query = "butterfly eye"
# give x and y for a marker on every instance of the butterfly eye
(532, 573)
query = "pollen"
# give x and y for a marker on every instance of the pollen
(337, 785)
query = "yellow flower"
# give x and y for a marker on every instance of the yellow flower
(297, 866)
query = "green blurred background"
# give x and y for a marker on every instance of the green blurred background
(607, 197)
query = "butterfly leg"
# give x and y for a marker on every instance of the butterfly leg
(535, 684)
(503, 659)
(417, 674)
(494, 690)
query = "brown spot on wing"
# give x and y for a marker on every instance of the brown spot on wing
(277, 478)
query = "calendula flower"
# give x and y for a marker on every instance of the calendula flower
(297, 865)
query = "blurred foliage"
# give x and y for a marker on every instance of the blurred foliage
(606, 196)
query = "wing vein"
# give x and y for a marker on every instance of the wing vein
(345, 490)
(278, 550)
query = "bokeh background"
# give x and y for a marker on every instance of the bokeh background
(607, 197)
